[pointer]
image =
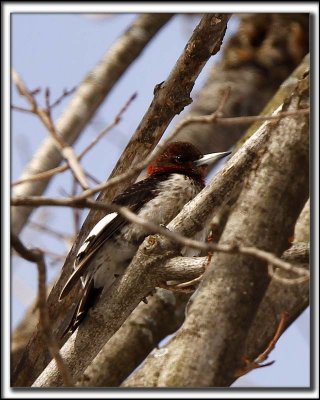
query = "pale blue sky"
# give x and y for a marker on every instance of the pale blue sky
(56, 51)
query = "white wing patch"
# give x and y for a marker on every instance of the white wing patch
(95, 232)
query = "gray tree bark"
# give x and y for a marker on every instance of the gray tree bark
(124, 335)
(223, 309)
(169, 100)
(255, 61)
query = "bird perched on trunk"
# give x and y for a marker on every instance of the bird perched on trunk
(174, 178)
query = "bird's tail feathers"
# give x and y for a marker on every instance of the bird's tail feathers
(87, 300)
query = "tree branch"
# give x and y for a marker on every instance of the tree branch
(51, 172)
(86, 100)
(255, 98)
(140, 333)
(44, 115)
(280, 297)
(169, 100)
(36, 255)
(255, 62)
(233, 287)
(116, 305)
(79, 202)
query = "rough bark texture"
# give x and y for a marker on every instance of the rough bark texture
(223, 308)
(222, 74)
(255, 61)
(143, 330)
(143, 273)
(280, 297)
(169, 99)
(239, 71)
(285, 90)
(248, 73)
(87, 99)
(302, 229)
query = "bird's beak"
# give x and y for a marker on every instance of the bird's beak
(211, 158)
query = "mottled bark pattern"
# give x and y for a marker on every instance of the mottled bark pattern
(205, 41)
(222, 310)
(255, 61)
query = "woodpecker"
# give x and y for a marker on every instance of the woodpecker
(175, 177)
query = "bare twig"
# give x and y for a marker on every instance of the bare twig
(64, 94)
(115, 122)
(89, 95)
(36, 91)
(45, 116)
(119, 353)
(65, 167)
(116, 305)
(283, 320)
(257, 363)
(55, 257)
(93, 178)
(79, 202)
(75, 211)
(51, 231)
(205, 119)
(211, 24)
(23, 91)
(236, 283)
(287, 281)
(255, 118)
(21, 109)
(190, 120)
(185, 122)
(36, 255)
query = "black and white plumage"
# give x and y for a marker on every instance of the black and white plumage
(176, 177)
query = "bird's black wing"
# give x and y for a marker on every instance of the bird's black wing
(134, 198)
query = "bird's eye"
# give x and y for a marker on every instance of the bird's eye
(179, 159)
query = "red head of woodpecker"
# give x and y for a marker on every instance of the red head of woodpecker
(175, 177)
(184, 158)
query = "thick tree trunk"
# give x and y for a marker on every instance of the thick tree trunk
(210, 30)
(246, 75)
(255, 61)
(224, 307)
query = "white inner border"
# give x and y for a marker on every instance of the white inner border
(137, 7)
